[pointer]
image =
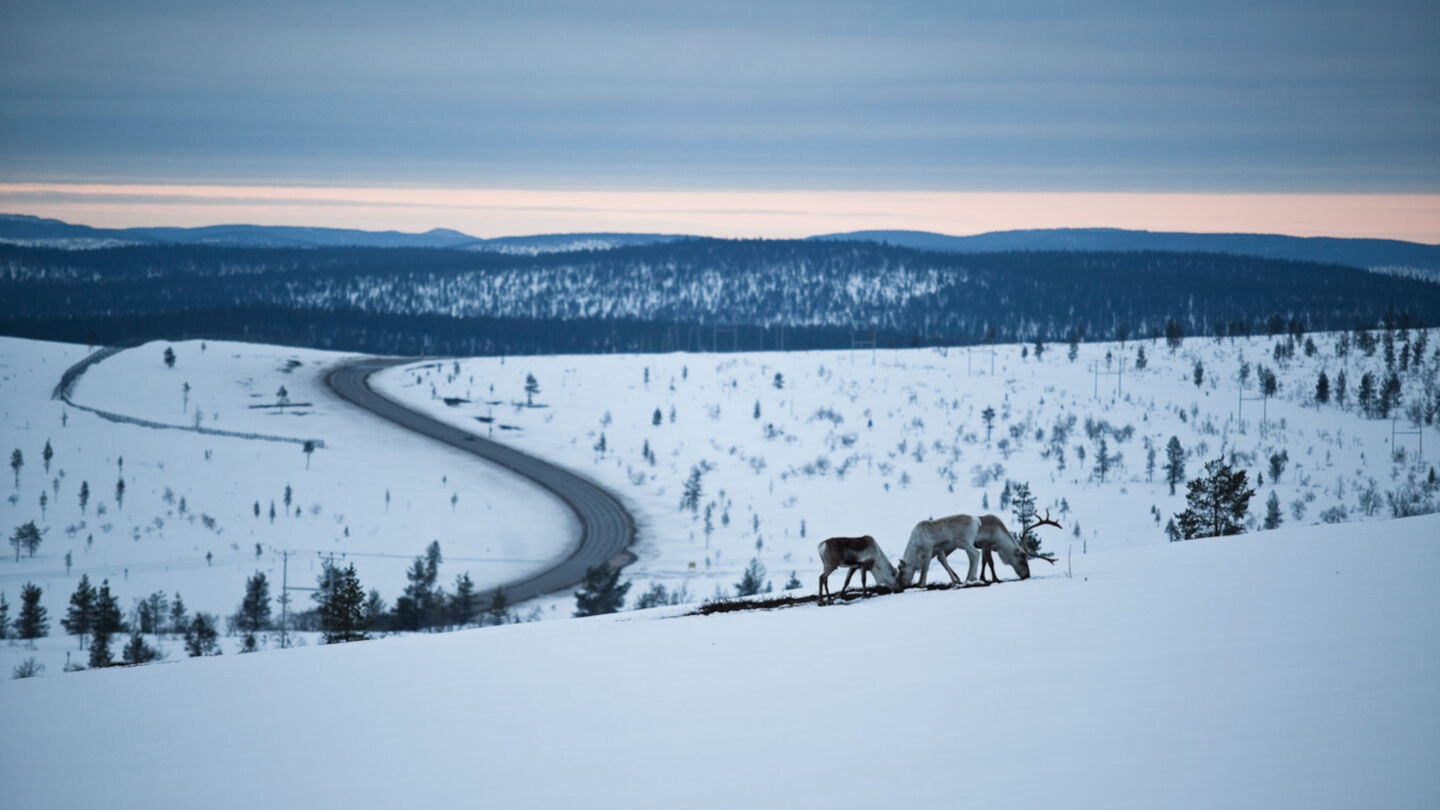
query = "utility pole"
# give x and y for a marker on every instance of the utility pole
(1418, 433)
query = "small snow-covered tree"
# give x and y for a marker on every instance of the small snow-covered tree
(1174, 463)
(81, 614)
(33, 621)
(690, 497)
(1273, 516)
(47, 454)
(17, 460)
(532, 387)
(1217, 501)
(753, 580)
(27, 536)
(169, 357)
(602, 591)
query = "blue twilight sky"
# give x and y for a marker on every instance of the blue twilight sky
(1054, 95)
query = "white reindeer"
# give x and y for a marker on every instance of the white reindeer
(858, 553)
(977, 536)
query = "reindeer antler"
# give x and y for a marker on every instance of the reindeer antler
(1045, 521)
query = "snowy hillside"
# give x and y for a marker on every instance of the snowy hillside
(1279, 669)
(791, 448)
(195, 514)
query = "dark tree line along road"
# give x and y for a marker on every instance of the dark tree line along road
(606, 529)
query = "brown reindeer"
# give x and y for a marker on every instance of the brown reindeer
(857, 553)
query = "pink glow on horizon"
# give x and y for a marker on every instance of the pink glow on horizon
(772, 214)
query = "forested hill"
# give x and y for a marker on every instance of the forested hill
(674, 295)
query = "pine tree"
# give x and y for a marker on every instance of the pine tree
(84, 495)
(1199, 373)
(1273, 516)
(1322, 389)
(657, 418)
(602, 591)
(793, 582)
(120, 493)
(47, 454)
(1217, 502)
(988, 417)
(342, 615)
(169, 357)
(1140, 360)
(532, 387)
(254, 614)
(81, 614)
(33, 621)
(17, 460)
(462, 604)
(26, 536)
(1174, 463)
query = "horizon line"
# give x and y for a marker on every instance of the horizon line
(726, 213)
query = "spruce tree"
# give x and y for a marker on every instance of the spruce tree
(17, 460)
(602, 591)
(499, 607)
(1273, 516)
(84, 495)
(1217, 502)
(254, 614)
(137, 651)
(1174, 463)
(177, 614)
(462, 604)
(47, 454)
(753, 580)
(1322, 389)
(201, 637)
(105, 622)
(342, 614)
(4, 617)
(33, 621)
(81, 614)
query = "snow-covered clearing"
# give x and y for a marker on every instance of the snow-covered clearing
(797, 447)
(1293, 668)
(375, 495)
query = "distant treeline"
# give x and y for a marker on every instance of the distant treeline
(674, 296)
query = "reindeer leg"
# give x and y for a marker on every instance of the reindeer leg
(820, 595)
(848, 575)
(954, 577)
(974, 555)
(863, 591)
(988, 561)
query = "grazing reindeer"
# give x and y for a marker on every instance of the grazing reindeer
(858, 553)
(936, 539)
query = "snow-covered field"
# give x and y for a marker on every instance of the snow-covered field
(797, 447)
(375, 495)
(1293, 668)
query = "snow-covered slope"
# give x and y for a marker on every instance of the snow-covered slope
(852, 443)
(374, 495)
(1294, 668)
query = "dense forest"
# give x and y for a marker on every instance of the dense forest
(692, 294)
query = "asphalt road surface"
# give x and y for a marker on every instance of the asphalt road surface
(606, 529)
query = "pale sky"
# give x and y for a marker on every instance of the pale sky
(750, 117)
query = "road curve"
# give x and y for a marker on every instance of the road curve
(606, 529)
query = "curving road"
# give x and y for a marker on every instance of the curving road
(606, 529)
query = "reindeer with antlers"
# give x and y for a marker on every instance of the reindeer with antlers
(986, 535)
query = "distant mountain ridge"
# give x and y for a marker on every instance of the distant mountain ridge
(1389, 255)
(21, 229)
(1371, 254)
